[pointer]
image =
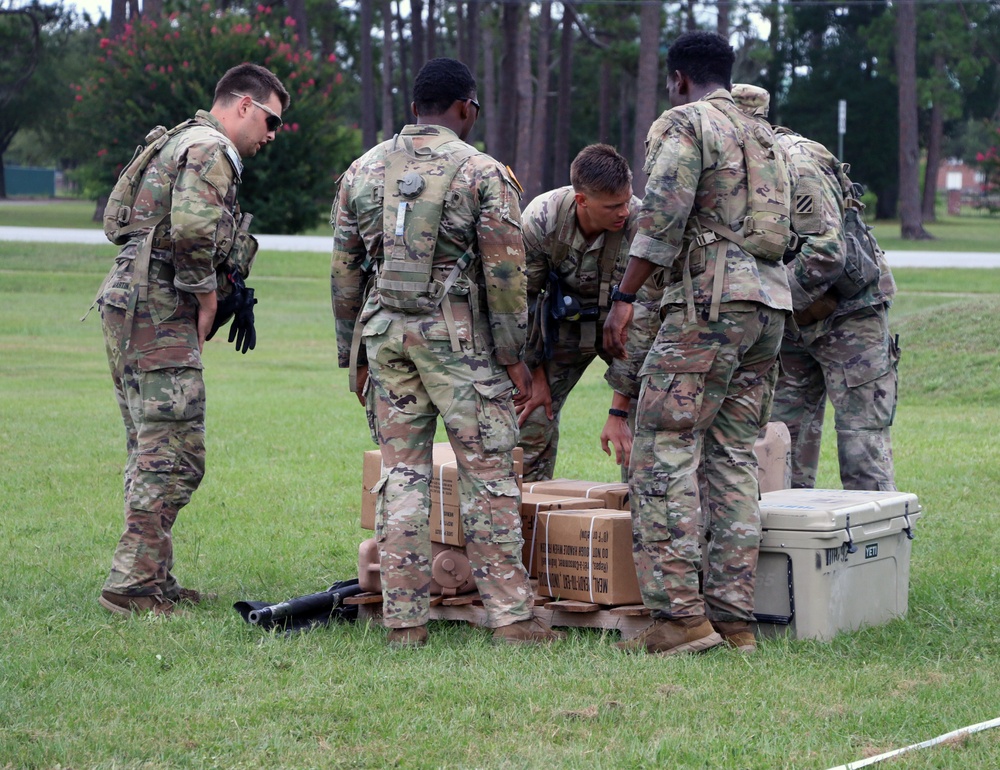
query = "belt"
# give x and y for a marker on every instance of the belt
(163, 244)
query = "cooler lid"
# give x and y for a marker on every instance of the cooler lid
(823, 510)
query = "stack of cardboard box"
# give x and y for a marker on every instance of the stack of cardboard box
(577, 534)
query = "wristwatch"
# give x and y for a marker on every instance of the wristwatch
(619, 296)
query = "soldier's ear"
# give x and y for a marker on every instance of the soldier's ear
(413, 109)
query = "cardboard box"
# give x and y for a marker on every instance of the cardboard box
(613, 496)
(446, 517)
(531, 505)
(586, 556)
(833, 560)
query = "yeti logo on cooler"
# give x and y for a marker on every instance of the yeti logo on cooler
(871, 550)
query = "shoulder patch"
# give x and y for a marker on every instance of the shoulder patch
(513, 180)
(807, 209)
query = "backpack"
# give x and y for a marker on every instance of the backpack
(767, 233)
(417, 188)
(861, 264)
(118, 211)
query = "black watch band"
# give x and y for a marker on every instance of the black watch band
(617, 295)
(618, 412)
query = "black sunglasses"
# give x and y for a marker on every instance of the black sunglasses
(475, 104)
(272, 121)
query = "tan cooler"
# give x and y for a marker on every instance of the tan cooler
(833, 560)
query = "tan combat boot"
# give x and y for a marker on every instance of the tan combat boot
(531, 631)
(737, 634)
(402, 638)
(120, 604)
(670, 637)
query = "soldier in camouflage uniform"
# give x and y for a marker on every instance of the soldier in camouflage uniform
(705, 384)
(577, 236)
(155, 329)
(459, 357)
(835, 346)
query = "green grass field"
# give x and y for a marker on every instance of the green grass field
(973, 231)
(277, 516)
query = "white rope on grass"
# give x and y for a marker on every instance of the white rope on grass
(926, 744)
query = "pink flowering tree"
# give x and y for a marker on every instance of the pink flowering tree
(989, 164)
(160, 72)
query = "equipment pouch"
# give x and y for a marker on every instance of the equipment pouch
(244, 251)
(861, 263)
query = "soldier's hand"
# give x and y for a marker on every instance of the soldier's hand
(616, 329)
(617, 433)
(540, 396)
(521, 378)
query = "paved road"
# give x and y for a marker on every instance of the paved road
(324, 244)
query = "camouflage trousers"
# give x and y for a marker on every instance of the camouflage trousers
(163, 409)
(855, 364)
(706, 390)
(413, 377)
(540, 435)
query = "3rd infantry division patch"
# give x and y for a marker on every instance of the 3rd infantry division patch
(804, 203)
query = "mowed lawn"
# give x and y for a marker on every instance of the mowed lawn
(277, 516)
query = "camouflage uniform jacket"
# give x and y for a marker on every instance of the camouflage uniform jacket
(691, 173)
(579, 271)
(818, 219)
(484, 214)
(194, 179)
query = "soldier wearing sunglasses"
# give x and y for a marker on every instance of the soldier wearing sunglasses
(184, 253)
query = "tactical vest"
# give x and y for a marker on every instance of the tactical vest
(766, 231)
(417, 189)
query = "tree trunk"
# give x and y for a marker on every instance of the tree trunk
(910, 224)
(690, 22)
(467, 42)
(722, 21)
(297, 10)
(536, 178)
(403, 81)
(560, 154)
(368, 131)
(152, 9)
(388, 124)
(417, 34)
(934, 144)
(508, 76)
(645, 86)
(488, 97)
(431, 29)
(604, 102)
(525, 101)
(116, 24)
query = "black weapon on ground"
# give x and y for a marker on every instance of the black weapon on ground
(303, 612)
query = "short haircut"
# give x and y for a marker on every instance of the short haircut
(705, 57)
(440, 83)
(598, 168)
(253, 80)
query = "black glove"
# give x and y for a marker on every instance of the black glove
(242, 330)
(238, 305)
